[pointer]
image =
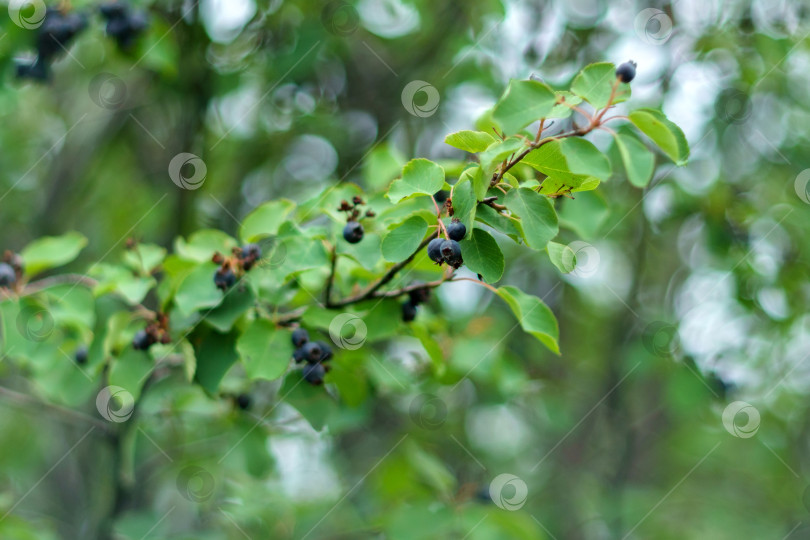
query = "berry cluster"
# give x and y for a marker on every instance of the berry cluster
(60, 27)
(53, 36)
(123, 24)
(314, 353)
(415, 297)
(156, 331)
(353, 231)
(448, 250)
(243, 259)
(626, 72)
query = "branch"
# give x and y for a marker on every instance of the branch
(330, 281)
(25, 401)
(369, 293)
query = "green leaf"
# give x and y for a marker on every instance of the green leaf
(464, 203)
(537, 216)
(197, 290)
(638, 161)
(571, 161)
(470, 141)
(595, 83)
(479, 182)
(488, 215)
(521, 104)
(234, 304)
(265, 351)
(492, 157)
(563, 111)
(382, 165)
(584, 215)
(663, 132)
(533, 315)
(215, 353)
(561, 256)
(52, 251)
(482, 255)
(265, 220)
(418, 176)
(401, 241)
(144, 257)
(201, 245)
(129, 371)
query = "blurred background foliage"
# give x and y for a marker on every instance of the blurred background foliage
(696, 298)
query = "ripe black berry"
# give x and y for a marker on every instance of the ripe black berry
(224, 279)
(451, 252)
(419, 296)
(123, 25)
(312, 351)
(408, 311)
(626, 72)
(353, 232)
(456, 231)
(299, 337)
(299, 355)
(81, 355)
(251, 250)
(434, 250)
(326, 351)
(37, 70)
(313, 373)
(142, 341)
(243, 401)
(7, 275)
(440, 196)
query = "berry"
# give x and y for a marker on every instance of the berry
(123, 25)
(626, 72)
(33, 70)
(326, 351)
(353, 232)
(299, 337)
(253, 251)
(408, 311)
(419, 296)
(243, 401)
(312, 351)
(451, 252)
(81, 355)
(224, 279)
(7, 275)
(298, 355)
(456, 230)
(314, 373)
(142, 341)
(441, 196)
(434, 250)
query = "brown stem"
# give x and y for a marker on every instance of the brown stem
(331, 279)
(370, 292)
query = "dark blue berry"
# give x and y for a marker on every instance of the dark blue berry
(299, 355)
(434, 250)
(451, 252)
(7, 275)
(419, 296)
(314, 373)
(142, 340)
(456, 231)
(440, 196)
(251, 251)
(408, 311)
(123, 25)
(312, 351)
(353, 232)
(326, 351)
(243, 401)
(626, 72)
(224, 279)
(299, 337)
(81, 355)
